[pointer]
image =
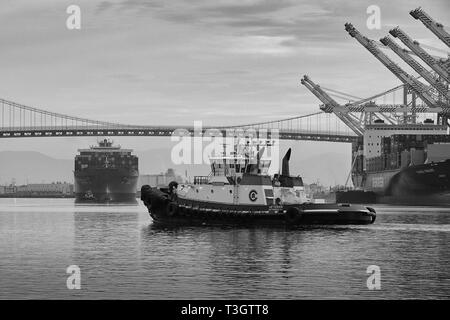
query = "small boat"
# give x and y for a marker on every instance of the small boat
(239, 191)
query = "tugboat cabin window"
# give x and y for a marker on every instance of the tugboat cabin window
(264, 166)
(218, 169)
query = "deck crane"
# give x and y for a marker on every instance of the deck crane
(332, 106)
(435, 27)
(421, 90)
(421, 53)
(428, 76)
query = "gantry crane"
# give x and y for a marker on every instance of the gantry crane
(332, 106)
(366, 107)
(435, 27)
(422, 91)
(435, 98)
(414, 46)
(428, 76)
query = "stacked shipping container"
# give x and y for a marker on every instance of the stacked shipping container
(398, 151)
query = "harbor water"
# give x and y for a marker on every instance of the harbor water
(122, 255)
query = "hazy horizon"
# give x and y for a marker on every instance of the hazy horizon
(37, 167)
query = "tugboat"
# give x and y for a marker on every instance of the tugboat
(239, 191)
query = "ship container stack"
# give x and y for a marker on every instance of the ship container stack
(357, 152)
(359, 165)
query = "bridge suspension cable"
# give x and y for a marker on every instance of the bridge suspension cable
(18, 120)
(19, 116)
(318, 122)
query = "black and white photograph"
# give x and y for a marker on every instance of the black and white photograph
(223, 154)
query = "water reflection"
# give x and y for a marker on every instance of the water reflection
(106, 248)
(122, 255)
(35, 248)
(250, 262)
(317, 262)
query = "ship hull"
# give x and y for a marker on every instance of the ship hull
(426, 184)
(106, 186)
(165, 208)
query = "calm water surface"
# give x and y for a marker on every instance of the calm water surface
(122, 255)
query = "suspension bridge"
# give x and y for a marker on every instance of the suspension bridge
(20, 121)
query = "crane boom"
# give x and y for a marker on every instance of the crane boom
(331, 105)
(428, 76)
(435, 27)
(326, 107)
(420, 89)
(382, 46)
(421, 53)
(317, 88)
(389, 108)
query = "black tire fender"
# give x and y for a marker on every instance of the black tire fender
(172, 185)
(172, 209)
(182, 211)
(144, 190)
(293, 215)
(373, 214)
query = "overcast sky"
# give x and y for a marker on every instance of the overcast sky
(173, 62)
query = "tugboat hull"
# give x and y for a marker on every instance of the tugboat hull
(166, 208)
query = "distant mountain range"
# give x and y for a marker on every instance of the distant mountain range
(35, 167)
(328, 169)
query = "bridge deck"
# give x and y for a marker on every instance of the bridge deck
(160, 131)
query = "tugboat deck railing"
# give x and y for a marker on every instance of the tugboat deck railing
(201, 179)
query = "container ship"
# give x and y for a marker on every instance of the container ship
(412, 167)
(106, 174)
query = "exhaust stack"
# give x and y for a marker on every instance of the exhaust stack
(285, 163)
